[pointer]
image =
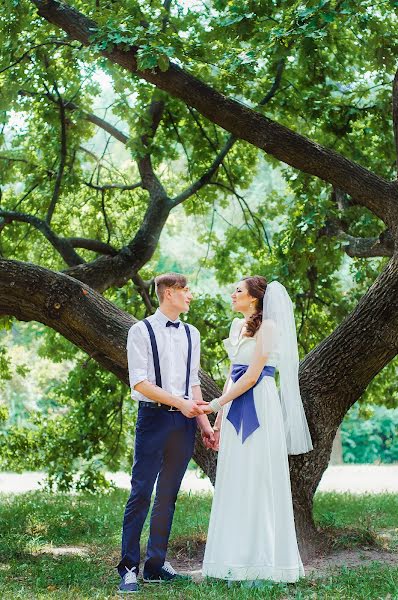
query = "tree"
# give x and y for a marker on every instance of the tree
(338, 203)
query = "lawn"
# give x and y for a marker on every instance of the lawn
(65, 547)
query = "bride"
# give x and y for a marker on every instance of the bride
(252, 534)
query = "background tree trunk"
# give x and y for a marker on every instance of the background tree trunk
(336, 457)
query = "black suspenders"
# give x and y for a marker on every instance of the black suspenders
(155, 355)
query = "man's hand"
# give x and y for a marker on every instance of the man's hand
(190, 409)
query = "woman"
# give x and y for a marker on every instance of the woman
(252, 534)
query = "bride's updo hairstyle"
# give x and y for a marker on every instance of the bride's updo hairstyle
(256, 287)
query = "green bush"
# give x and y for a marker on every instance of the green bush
(369, 435)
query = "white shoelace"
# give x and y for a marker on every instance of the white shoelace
(130, 576)
(167, 567)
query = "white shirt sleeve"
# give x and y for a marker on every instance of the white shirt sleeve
(137, 355)
(195, 365)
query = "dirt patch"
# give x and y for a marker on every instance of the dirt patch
(320, 566)
(316, 567)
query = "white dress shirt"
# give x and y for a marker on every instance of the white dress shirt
(172, 346)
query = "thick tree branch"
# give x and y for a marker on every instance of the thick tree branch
(377, 194)
(357, 247)
(368, 247)
(109, 271)
(85, 318)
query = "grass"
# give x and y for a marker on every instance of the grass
(34, 525)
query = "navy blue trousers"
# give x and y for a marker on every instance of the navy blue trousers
(164, 443)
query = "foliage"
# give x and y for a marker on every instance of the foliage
(370, 435)
(337, 63)
(81, 429)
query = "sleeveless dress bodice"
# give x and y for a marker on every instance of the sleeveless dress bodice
(240, 348)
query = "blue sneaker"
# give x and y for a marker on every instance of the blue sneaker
(165, 574)
(129, 583)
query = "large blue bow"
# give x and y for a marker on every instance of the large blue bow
(243, 411)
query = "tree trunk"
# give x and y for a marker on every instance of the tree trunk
(336, 457)
(332, 377)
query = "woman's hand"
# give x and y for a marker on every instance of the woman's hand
(212, 441)
(216, 445)
(207, 434)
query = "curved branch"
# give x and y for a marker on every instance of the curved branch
(94, 245)
(62, 161)
(61, 245)
(113, 186)
(206, 177)
(72, 106)
(26, 54)
(377, 194)
(105, 125)
(142, 287)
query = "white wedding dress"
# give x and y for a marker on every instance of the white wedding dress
(251, 533)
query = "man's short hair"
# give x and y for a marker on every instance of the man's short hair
(168, 280)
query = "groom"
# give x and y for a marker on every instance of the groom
(163, 358)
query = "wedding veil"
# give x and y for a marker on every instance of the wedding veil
(278, 307)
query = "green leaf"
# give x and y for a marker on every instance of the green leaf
(163, 62)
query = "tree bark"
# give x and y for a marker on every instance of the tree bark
(332, 376)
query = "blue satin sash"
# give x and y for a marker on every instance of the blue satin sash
(243, 411)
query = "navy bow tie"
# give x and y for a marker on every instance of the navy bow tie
(171, 324)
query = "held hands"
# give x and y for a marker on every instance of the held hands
(209, 408)
(211, 439)
(191, 409)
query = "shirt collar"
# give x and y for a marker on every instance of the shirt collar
(162, 318)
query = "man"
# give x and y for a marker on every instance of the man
(163, 357)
